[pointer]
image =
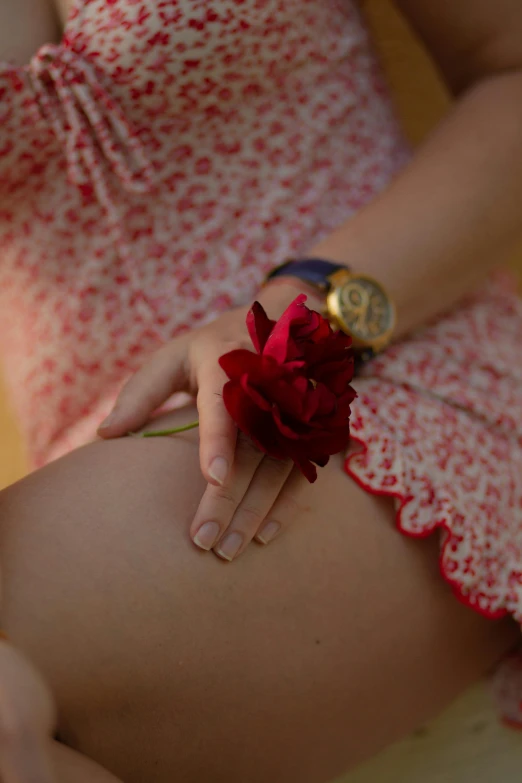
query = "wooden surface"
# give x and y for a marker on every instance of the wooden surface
(466, 744)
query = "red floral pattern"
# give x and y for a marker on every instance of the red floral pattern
(156, 163)
(439, 421)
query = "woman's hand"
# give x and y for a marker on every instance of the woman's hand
(244, 498)
(26, 721)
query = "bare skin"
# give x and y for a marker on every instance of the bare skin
(437, 230)
(27, 721)
(167, 664)
(25, 25)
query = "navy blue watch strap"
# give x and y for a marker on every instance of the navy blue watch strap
(316, 272)
(311, 270)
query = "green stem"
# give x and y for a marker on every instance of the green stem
(161, 433)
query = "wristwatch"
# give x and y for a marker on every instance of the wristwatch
(355, 303)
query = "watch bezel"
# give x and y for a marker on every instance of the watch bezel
(337, 281)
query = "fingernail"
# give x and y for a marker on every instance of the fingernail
(111, 418)
(268, 532)
(207, 535)
(218, 469)
(230, 546)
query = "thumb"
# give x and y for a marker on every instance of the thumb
(164, 374)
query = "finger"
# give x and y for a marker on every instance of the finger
(217, 431)
(147, 389)
(267, 484)
(219, 503)
(285, 510)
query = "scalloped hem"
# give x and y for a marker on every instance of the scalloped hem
(438, 429)
(505, 682)
(402, 499)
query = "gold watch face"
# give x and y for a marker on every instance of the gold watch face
(363, 309)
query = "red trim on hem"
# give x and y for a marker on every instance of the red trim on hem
(404, 500)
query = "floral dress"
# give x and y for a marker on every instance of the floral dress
(156, 163)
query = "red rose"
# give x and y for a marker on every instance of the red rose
(293, 396)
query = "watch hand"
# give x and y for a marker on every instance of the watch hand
(358, 300)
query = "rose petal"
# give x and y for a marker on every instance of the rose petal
(256, 396)
(308, 470)
(315, 329)
(348, 397)
(322, 461)
(338, 383)
(236, 363)
(240, 361)
(310, 406)
(326, 443)
(288, 399)
(277, 344)
(259, 326)
(283, 428)
(252, 421)
(334, 366)
(323, 354)
(326, 400)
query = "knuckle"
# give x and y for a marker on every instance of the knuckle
(225, 496)
(232, 345)
(134, 387)
(208, 361)
(278, 468)
(247, 447)
(250, 517)
(207, 398)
